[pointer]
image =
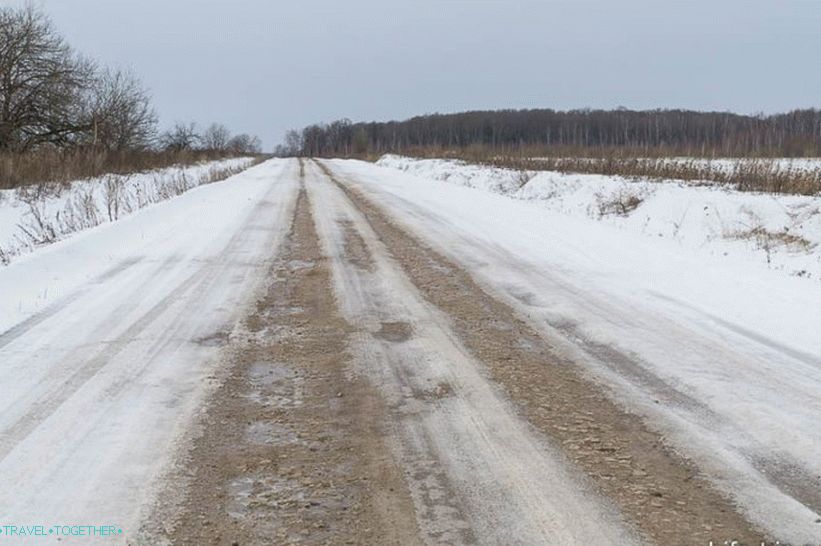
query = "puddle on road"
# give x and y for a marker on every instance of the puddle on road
(250, 492)
(240, 491)
(275, 384)
(268, 373)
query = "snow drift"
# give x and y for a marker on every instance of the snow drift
(37, 215)
(779, 231)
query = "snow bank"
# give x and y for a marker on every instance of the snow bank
(37, 215)
(782, 232)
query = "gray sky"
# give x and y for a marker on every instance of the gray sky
(266, 66)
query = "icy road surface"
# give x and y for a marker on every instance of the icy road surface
(108, 341)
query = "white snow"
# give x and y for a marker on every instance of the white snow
(720, 353)
(40, 214)
(777, 231)
(107, 341)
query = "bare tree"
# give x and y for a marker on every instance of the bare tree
(181, 137)
(602, 132)
(245, 144)
(120, 112)
(216, 138)
(293, 142)
(42, 81)
(255, 145)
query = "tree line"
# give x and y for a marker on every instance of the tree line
(579, 132)
(54, 98)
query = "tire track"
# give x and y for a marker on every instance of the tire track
(82, 367)
(38, 318)
(656, 489)
(292, 447)
(477, 473)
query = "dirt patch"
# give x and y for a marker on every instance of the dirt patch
(440, 391)
(292, 449)
(356, 252)
(655, 488)
(396, 332)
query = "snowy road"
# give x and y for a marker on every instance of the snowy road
(723, 359)
(475, 471)
(109, 340)
(401, 361)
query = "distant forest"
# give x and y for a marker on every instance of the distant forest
(575, 132)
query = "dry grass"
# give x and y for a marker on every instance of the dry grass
(764, 238)
(769, 241)
(761, 175)
(621, 205)
(59, 166)
(121, 195)
(745, 174)
(218, 174)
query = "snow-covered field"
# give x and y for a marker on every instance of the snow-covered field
(782, 232)
(684, 321)
(730, 165)
(37, 215)
(727, 164)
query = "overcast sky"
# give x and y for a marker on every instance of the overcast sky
(263, 66)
